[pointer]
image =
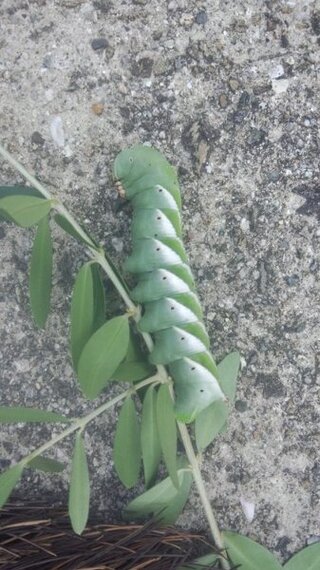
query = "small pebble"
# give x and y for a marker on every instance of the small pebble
(241, 406)
(37, 138)
(223, 101)
(274, 175)
(234, 85)
(99, 43)
(97, 108)
(201, 17)
(291, 280)
(256, 137)
(186, 20)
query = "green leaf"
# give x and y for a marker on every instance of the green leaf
(69, 229)
(82, 312)
(136, 365)
(19, 414)
(150, 442)
(171, 513)
(25, 211)
(209, 423)
(19, 191)
(249, 554)
(41, 273)
(79, 492)
(306, 559)
(134, 352)
(228, 373)
(127, 449)
(164, 501)
(132, 371)
(8, 481)
(46, 464)
(167, 430)
(201, 563)
(16, 191)
(213, 419)
(99, 298)
(152, 501)
(102, 355)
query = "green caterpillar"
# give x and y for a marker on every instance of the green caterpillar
(165, 286)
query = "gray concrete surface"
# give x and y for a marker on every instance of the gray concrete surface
(230, 92)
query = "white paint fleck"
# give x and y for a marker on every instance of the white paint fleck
(49, 94)
(57, 132)
(245, 225)
(280, 85)
(68, 152)
(276, 72)
(248, 509)
(117, 244)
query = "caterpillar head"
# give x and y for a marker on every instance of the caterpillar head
(141, 168)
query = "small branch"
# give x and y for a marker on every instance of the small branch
(35, 183)
(202, 493)
(162, 374)
(81, 423)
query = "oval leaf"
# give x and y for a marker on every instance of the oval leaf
(102, 355)
(8, 481)
(209, 423)
(228, 370)
(136, 365)
(134, 352)
(163, 501)
(16, 191)
(19, 414)
(249, 554)
(41, 273)
(82, 312)
(127, 450)
(307, 559)
(19, 191)
(46, 464)
(25, 211)
(79, 492)
(170, 514)
(167, 430)
(132, 371)
(153, 500)
(150, 442)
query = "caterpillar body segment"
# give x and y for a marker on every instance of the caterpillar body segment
(165, 286)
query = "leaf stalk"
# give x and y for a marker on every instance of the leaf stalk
(81, 423)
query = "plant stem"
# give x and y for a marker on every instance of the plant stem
(161, 376)
(80, 423)
(202, 493)
(35, 183)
